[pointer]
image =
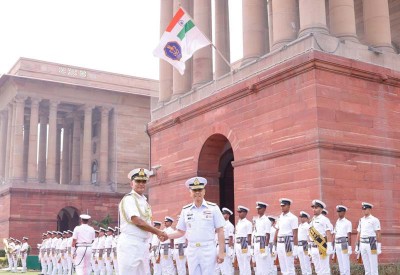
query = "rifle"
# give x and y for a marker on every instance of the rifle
(235, 263)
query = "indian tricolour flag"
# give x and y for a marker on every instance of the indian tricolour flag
(180, 40)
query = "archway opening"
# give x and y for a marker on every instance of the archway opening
(215, 164)
(67, 218)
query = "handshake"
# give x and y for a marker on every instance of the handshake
(162, 236)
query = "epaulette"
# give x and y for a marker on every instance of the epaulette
(187, 206)
(128, 194)
(211, 203)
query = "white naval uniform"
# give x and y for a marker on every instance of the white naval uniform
(12, 257)
(155, 254)
(166, 262)
(262, 228)
(84, 236)
(100, 255)
(54, 242)
(107, 254)
(17, 254)
(59, 257)
(24, 255)
(93, 260)
(43, 257)
(180, 260)
(200, 224)
(321, 224)
(243, 228)
(273, 269)
(367, 228)
(302, 237)
(226, 267)
(133, 242)
(342, 228)
(63, 257)
(69, 255)
(286, 224)
(114, 253)
(49, 261)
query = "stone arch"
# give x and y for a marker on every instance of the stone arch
(67, 218)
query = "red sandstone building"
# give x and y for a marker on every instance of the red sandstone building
(313, 111)
(68, 138)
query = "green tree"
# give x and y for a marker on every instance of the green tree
(104, 222)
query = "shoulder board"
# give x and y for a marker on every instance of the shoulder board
(211, 203)
(187, 206)
(128, 194)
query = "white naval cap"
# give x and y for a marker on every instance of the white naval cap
(111, 229)
(260, 204)
(285, 201)
(168, 219)
(102, 229)
(25, 238)
(226, 211)
(366, 205)
(318, 203)
(242, 208)
(196, 183)
(156, 223)
(84, 216)
(271, 218)
(139, 174)
(304, 214)
(341, 208)
(325, 212)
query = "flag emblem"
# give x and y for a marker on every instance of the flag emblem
(173, 50)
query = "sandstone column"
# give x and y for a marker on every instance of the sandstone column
(254, 14)
(58, 154)
(3, 144)
(87, 146)
(202, 59)
(65, 171)
(377, 24)
(8, 143)
(18, 139)
(284, 22)
(183, 83)
(33, 141)
(52, 143)
(43, 120)
(222, 37)
(76, 151)
(165, 71)
(342, 19)
(312, 17)
(26, 149)
(104, 146)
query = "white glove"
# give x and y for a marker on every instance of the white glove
(357, 250)
(329, 249)
(252, 251)
(349, 251)
(274, 249)
(295, 250)
(379, 248)
(230, 252)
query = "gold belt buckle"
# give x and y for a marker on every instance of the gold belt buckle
(198, 244)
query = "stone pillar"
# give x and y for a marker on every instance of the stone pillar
(18, 139)
(43, 120)
(165, 71)
(284, 22)
(342, 19)
(52, 143)
(254, 14)
(87, 146)
(65, 171)
(76, 151)
(3, 145)
(33, 141)
(26, 149)
(58, 153)
(377, 24)
(202, 59)
(183, 83)
(9, 140)
(104, 146)
(312, 17)
(222, 37)
(112, 141)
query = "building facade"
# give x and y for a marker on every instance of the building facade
(68, 138)
(310, 112)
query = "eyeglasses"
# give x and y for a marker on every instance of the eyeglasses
(141, 181)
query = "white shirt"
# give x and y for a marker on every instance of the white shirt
(229, 230)
(302, 233)
(83, 234)
(243, 228)
(101, 243)
(168, 230)
(286, 224)
(272, 234)
(321, 224)
(115, 241)
(342, 228)
(128, 209)
(48, 242)
(263, 226)
(155, 240)
(69, 242)
(368, 226)
(200, 223)
(54, 242)
(24, 247)
(95, 242)
(180, 240)
(108, 241)
(63, 244)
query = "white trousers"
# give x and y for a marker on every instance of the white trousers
(101, 268)
(226, 268)
(166, 262)
(321, 265)
(180, 262)
(55, 265)
(82, 261)
(43, 263)
(115, 262)
(305, 263)
(202, 259)
(243, 260)
(262, 260)
(286, 262)
(156, 266)
(132, 255)
(343, 260)
(23, 262)
(69, 264)
(15, 263)
(109, 268)
(49, 264)
(370, 261)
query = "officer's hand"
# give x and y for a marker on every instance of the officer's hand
(220, 258)
(162, 236)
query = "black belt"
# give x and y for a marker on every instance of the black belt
(341, 240)
(283, 238)
(366, 239)
(301, 243)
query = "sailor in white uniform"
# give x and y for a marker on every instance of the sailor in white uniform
(82, 239)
